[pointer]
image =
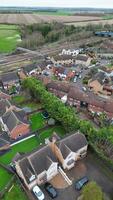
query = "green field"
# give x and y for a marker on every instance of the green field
(25, 146)
(9, 37)
(4, 178)
(15, 193)
(57, 13)
(107, 17)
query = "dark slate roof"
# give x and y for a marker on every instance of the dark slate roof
(10, 120)
(21, 115)
(82, 57)
(73, 142)
(100, 76)
(64, 149)
(26, 168)
(63, 57)
(3, 104)
(11, 76)
(29, 68)
(40, 158)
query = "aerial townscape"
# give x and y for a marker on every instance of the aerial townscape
(56, 100)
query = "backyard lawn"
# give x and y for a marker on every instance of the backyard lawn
(15, 193)
(9, 37)
(37, 121)
(25, 146)
(46, 134)
(4, 178)
(20, 100)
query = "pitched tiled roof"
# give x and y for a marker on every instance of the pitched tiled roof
(63, 57)
(61, 86)
(37, 162)
(11, 76)
(3, 104)
(40, 158)
(13, 118)
(74, 142)
(82, 57)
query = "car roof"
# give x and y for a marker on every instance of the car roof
(36, 189)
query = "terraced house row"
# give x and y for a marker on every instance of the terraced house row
(73, 96)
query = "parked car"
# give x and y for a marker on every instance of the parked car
(75, 79)
(51, 190)
(81, 182)
(84, 89)
(38, 193)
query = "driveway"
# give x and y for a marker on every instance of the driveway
(92, 167)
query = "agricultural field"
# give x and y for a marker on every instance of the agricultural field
(43, 17)
(9, 37)
(94, 22)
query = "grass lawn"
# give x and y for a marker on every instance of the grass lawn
(37, 121)
(25, 146)
(32, 105)
(15, 193)
(45, 134)
(4, 178)
(9, 37)
(19, 99)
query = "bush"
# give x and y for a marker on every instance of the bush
(92, 192)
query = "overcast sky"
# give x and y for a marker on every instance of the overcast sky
(59, 3)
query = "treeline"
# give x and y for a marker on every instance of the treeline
(35, 35)
(101, 140)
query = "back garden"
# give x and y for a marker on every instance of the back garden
(37, 122)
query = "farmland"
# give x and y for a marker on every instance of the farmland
(9, 37)
(94, 22)
(38, 18)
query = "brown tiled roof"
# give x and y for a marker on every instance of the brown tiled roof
(62, 86)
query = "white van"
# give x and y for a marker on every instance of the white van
(38, 193)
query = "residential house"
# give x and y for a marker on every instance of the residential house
(10, 79)
(4, 145)
(77, 98)
(42, 165)
(97, 82)
(70, 149)
(38, 167)
(63, 59)
(83, 60)
(4, 96)
(73, 52)
(59, 89)
(13, 120)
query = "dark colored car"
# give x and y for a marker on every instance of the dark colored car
(51, 190)
(81, 182)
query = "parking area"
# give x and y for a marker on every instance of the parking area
(91, 167)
